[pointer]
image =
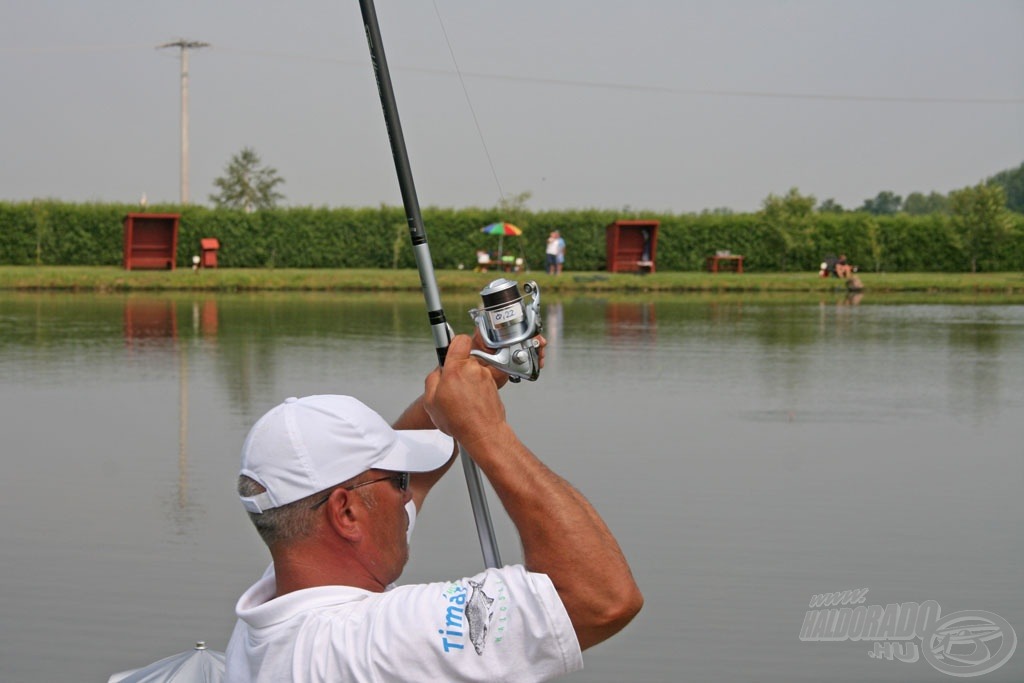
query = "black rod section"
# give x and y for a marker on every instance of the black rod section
(421, 250)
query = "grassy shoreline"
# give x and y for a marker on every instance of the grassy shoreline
(110, 279)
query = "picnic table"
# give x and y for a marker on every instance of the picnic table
(729, 262)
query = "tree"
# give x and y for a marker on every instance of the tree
(793, 207)
(830, 206)
(981, 219)
(513, 208)
(247, 185)
(918, 204)
(789, 219)
(515, 202)
(884, 204)
(1012, 182)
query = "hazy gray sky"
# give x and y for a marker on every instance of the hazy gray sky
(667, 105)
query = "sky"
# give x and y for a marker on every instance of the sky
(672, 106)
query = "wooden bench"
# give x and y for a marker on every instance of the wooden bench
(730, 262)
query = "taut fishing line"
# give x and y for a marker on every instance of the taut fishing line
(505, 322)
(469, 101)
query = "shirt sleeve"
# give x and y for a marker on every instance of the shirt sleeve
(501, 625)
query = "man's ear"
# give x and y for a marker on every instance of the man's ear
(346, 514)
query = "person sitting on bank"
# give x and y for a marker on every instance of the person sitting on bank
(843, 267)
(483, 261)
(333, 491)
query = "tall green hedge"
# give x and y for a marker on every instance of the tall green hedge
(57, 233)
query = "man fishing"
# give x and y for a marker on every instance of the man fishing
(333, 491)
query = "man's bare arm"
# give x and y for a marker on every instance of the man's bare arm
(562, 534)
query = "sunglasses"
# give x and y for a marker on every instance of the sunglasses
(400, 480)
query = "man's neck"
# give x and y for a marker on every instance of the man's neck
(300, 567)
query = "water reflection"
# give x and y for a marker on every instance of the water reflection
(633, 322)
(247, 338)
(151, 327)
(790, 352)
(146, 319)
(975, 370)
(853, 299)
(182, 432)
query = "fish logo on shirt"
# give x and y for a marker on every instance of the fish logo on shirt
(468, 613)
(478, 616)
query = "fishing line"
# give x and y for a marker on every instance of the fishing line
(469, 102)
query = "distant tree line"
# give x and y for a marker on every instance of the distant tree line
(250, 186)
(888, 203)
(975, 228)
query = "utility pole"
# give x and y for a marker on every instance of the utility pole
(184, 46)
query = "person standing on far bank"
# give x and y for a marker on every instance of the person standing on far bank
(333, 491)
(551, 253)
(555, 252)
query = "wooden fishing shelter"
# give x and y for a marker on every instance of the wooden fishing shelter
(631, 246)
(150, 240)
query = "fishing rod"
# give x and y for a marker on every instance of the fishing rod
(421, 250)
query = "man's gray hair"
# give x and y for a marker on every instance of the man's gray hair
(290, 522)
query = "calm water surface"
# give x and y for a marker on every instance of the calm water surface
(748, 455)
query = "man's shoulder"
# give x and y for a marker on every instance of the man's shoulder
(495, 586)
(492, 625)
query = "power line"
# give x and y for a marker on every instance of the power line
(766, 94)
(609, 85)
(575, 83)
(37, 49)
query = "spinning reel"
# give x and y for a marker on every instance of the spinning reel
(509, 325)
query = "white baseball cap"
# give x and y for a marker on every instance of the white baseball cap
(306, 445)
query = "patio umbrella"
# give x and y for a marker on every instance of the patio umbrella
(197, 665)
(501, 229)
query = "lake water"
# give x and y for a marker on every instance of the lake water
(748, 454)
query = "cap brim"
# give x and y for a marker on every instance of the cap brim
(417, 450)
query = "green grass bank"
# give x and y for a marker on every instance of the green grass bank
(100, 279)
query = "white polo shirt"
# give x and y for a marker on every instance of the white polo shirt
(501, 625)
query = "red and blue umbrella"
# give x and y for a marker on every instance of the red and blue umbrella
(501, 229)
